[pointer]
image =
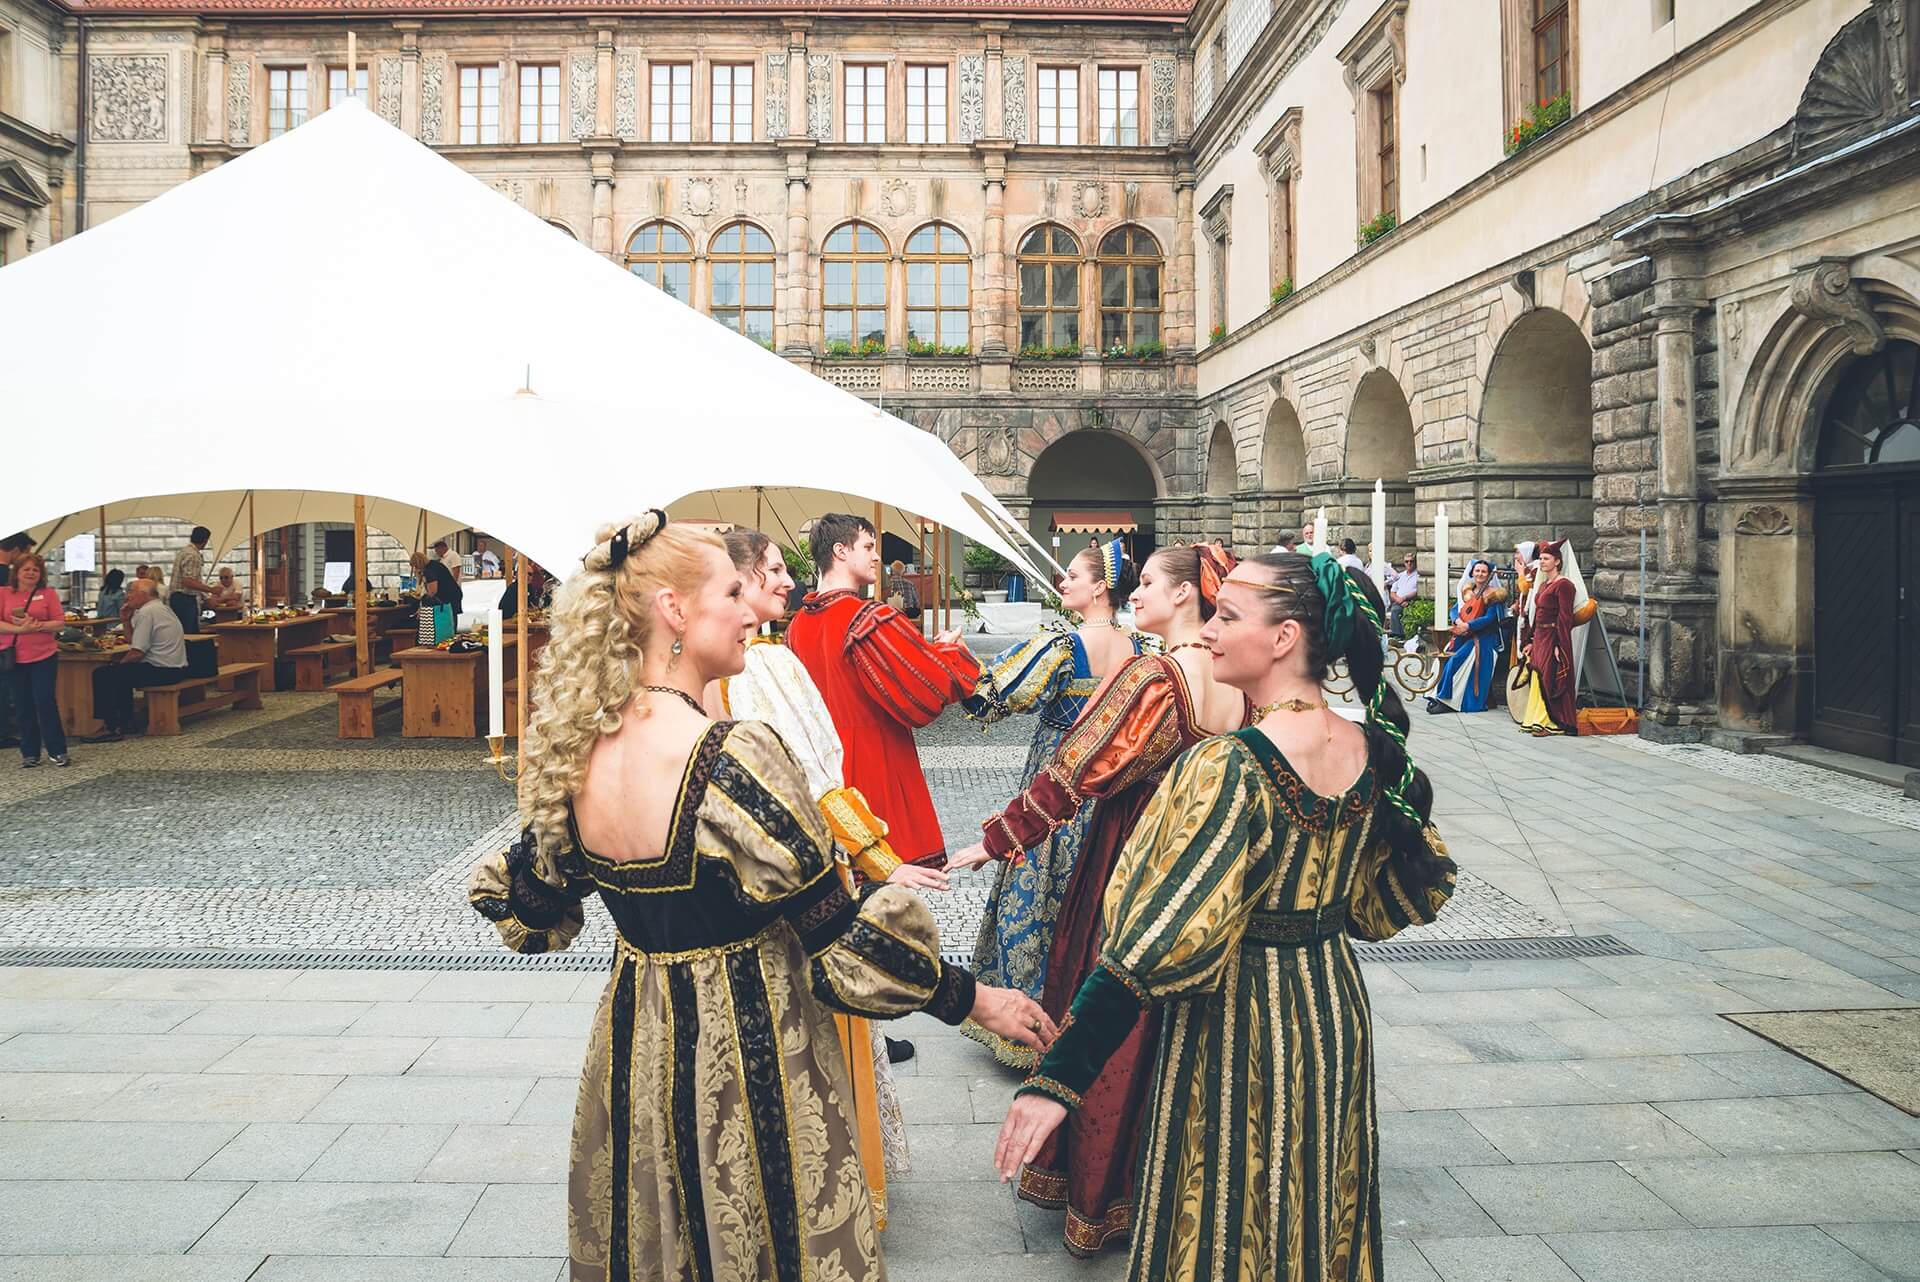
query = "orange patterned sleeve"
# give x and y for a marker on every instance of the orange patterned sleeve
(1131, 729)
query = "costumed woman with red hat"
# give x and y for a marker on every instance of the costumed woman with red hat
(1550, 683)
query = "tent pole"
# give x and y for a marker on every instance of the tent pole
(253, 554)
(360, 664)
(103, 546)
(520, 663)
(226, 540)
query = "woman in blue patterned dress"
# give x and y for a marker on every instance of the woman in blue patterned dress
(1053, 675)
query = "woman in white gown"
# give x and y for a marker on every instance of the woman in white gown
(776, 689)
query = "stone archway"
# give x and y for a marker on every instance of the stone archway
(1093, 471)
(1222, 473)
(1261, 514)
(1380, 445)
(1535, 438)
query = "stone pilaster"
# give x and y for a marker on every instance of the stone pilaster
(410, 77)
(796, 338)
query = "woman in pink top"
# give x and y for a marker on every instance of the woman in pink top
(30, 615)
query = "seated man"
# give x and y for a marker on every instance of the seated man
(902, 595)
(158, 658)
(226, 592)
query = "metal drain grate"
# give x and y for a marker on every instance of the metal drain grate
(1439, 950)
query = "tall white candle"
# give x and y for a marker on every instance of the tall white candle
(1320, 530)
(1378, 555)
(1442, 591)
(496, 688)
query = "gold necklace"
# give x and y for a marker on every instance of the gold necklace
(1263, 711)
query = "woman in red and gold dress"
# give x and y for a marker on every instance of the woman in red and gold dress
(1153, 708)
(1549, 658)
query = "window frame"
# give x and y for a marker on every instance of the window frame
(675, 82)
(856, 256)
(730, 128)
(1131, 260)
(540, 106)
(940, 258)
(743, 259)
(1066, 111)
(479, 103)
(659, 258)
(868, 129)
(1520, 54)
(280, 120)
(929, 118)
(1560, 16)
(1051, 308)
(1384, 102)
(361, 73)
(1122, 74)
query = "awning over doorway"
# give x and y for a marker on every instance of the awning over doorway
(1093, 523)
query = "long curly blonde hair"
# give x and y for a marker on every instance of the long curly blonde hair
(602, 619)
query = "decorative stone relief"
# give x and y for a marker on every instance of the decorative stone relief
(853, 377)
(1893, 38)
(1765, 521)
(1163, 79)
(129, 97)
(433, 78)
(697, 199)
(1057, 376)
(1090, 200)
(999, 451)
(1733, 327)
(820, 97)
(1827, 292)
(955, 377)
(1050, 197)
(512, 188)
(240, 98)
(1136, 379)
(896, 198)
(973, 79)
(1860, 78)
(626, 96)
(1013, 98)
(776, 103)
(740, 196)
(583, 91)
(388, 94)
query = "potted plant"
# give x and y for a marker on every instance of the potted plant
(1218, 334)
(1048, 352)
(984, 565)
(1150, 350)
(843, 349)
(1372, 230)
(1281, 292)
(1541, 119)
(920, 347)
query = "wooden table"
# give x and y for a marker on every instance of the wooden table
(73, 687)
(443, 695)
(266, 642)
(92, 625)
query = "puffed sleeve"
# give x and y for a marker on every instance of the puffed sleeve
(1175, 910)
(1392, 890)
(906, 674)
(877, 957)
(1021, 678)
(1126, 733)
(530, 900)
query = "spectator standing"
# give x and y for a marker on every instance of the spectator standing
(113, 595)
(12, 548)
(449, 558)
(1403, 585)
(158, 658)
(30, 615)
(190, 586)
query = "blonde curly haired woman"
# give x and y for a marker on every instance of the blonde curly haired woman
(713, 1136)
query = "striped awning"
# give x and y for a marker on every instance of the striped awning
(1093, 523)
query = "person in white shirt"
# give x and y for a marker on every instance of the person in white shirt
(489, 564)
(1403, 585)
(158, 657)
(449, 558)
(1350, 557)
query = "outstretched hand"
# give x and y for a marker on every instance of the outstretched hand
(1014, 1015)
(973, 856)
(1029, 1122)
(950, 637)
(918, 877)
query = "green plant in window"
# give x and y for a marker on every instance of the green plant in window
(1381, 223)
(920, 347)
(1046, 352)
(1281, 292)
(1541, 119)
(1218, 334)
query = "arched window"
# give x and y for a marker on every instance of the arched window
(742, 294)
(939, 272)
(854, 288)
(1049, 289)
(661, 253)
(1129, 290)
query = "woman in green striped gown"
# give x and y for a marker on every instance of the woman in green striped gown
(1261, 855)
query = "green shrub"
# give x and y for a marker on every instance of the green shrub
(1281, 292)
(1541, 119)
(1416, 617)
(1382, 223)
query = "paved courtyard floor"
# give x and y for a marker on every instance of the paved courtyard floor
(1572, 1117)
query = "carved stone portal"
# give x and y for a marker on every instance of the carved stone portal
(129, 96)
(1827, 292)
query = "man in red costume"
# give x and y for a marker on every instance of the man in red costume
(880, 678)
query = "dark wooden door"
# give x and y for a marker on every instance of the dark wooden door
(1857, 657)
(1906, 748)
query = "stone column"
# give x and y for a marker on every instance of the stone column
(1679, 468)
(796, 316)
(896, 303)
(410, 78)
(214, 123)
(603, 83)
(994, 290)
(797, 80)
(600, 154)
(1179, 290)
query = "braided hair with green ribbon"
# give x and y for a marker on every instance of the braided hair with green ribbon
(1342, 591)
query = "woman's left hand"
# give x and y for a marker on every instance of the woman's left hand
(1029, 1122)
(973, 856)
(918, 877)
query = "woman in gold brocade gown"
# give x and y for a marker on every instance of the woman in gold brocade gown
(1229, 913)
(714, 1138)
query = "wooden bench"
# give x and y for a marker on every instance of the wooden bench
(356, 701)
(314, 664)
(236, 686)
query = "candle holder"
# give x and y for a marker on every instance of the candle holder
(497, 746)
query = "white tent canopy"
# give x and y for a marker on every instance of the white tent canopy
(342, 311)
(227, 513)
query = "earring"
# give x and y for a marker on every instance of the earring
(673, 655)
